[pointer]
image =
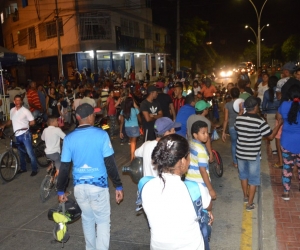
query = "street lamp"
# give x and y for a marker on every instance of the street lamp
(258, 15)
(250, 41)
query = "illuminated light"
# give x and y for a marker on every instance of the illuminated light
(91, 53)
(138, 55)
(158, 58)
(121, 54)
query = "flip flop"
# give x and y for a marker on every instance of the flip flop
(276, 165)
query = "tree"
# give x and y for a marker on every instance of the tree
(291, 48)
(250, 53)
(193, 46)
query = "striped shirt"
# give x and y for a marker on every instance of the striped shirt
(250, 129)
(33, 98)
(199, 158)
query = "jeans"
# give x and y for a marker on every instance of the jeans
(250, 170)
(113, 124)
(233, 139)
(95, 207)
(25, 141)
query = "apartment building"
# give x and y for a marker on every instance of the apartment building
(113, 35)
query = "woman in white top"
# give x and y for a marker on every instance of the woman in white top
(263, 86)
(166, 199)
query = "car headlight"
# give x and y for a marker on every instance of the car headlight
(223, 74)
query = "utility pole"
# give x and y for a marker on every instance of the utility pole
(59, 54)
(178, 39)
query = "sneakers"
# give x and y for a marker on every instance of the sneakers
(285, 197)
(33, 173)
(246, 199)
(250, 207)
(21, 171)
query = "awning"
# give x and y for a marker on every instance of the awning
(9, 58)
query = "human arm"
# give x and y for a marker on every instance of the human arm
(62, 181)
(112, 171)
(47, 104)
(172, 109)
(118, 102)
(275, 130)
(206, 180)
(158, 115)
(208, 146)
(8, 123)
(121, 126)
(225, 124)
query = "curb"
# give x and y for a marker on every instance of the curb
(266, 219)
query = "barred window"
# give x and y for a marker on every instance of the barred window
(157, 37)
(32, 38)
(22, 37)
(148, 32)
(51, 29)
(95, 26)
(130, 28)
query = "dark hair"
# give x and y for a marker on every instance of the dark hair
(18, 96)
(87, 92)
(242, 84)
(127, 108)
(294, 92)
(189, 99)
(234, 92)
(197, 125)
(272, 82)
(50, 119)
(168, 151)
(199, 112)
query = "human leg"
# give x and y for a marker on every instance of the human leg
(287, 171)
(243, 174)
(22, 152)
(271, 121)
(27, 141)
(254, 178)
(132, 147)
(112, 119)
(233, 139)
(95, 207)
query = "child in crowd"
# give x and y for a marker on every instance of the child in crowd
(52, 135)
(199, 168)
(112, 112)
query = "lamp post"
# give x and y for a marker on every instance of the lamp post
(250, 41)
(258, 15)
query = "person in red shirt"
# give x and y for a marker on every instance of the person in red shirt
(178, 100)
(34, 102)
(112, 112)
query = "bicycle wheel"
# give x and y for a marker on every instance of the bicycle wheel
(46, 188)
(9, 165)
(40, 155)
(217, 164)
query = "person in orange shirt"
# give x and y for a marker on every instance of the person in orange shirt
(34, 100)
(208, 89)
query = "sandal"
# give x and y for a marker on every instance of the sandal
(250, 207)
(235, 165)
(276, 165)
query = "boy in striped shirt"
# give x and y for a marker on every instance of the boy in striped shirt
(199, 165)
(251, 128)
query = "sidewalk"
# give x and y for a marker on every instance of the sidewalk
(287, 213)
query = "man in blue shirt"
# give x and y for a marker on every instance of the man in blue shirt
(184, 113)
(90, 150)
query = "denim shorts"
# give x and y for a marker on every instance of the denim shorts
(132, 131)
(250, 170)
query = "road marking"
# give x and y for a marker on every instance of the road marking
(246, 236)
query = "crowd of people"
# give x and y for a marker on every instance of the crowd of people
(172, 116)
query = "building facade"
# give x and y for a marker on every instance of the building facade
(112, 35)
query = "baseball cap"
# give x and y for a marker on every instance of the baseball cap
(159, 85)
(151, 88)
(251, 102)
(84, 110)
(201, 105)
(163, 124)
(289, 66)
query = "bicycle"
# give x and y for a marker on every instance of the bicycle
(217, 164)
(39, 151)
(9, 162)
(49, 182)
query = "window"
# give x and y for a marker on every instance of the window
(31, 38)
(167, 39)
(24, 3)
(95, 26)
(50, 28)
(22, 37)
(157, 37)
(130, 28)
(148, 32)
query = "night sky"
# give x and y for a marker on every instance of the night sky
(227, 19)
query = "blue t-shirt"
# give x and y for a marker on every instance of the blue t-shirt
(290, 133)
(86, 147)
(133, 120)
(183, 114)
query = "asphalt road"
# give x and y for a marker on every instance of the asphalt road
(24, 223)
